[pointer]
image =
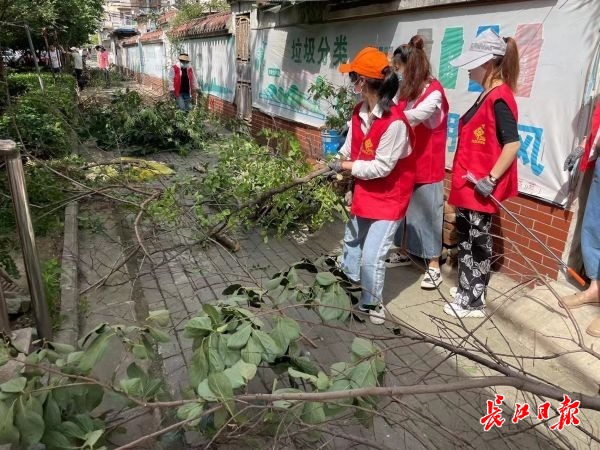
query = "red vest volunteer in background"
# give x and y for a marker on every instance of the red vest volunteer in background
(422, 100)
(378, 151)
(488, 143)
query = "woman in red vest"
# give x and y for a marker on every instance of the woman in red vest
(377, 152)
(590, 230)
(488, 143)
(183, 83)
(423, 101)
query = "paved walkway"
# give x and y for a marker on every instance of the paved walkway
(525, 323)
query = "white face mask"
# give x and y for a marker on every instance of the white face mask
(400, 75)
(185, 65)
(356, 89)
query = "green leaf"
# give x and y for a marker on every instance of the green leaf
(297, 374)
(240, 373)
(198, 327)
(56, 440)
(313, 413)
(132, 386)
(274, 283)
(62, 348)
(364, 375)
(251, 316)
(139, 350)
(29, 423)
(93, 397)
(215, 362)
(328, 307)
(289, 328)
(363, 348)
(230, 356)
(285, 404)
(52, 417)
(213, 313)
(322, 381)
(252, 353)
(220, 385)
(70, 429)
(92, 437)
(159, 335)
(305, 365)
(95, 351)
(198, 369)
(14, 385)
(340, 370)
(270, 348)
(8, 432)
(240, 338)
(190, 411)
(325, 278)
(205, 393)
(159, 317)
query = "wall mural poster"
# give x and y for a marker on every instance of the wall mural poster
(288, 59)
(213, 60)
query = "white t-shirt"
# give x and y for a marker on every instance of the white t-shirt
(54, 59)
(77, 60)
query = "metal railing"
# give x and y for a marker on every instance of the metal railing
(18, 190)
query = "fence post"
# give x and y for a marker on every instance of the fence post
(16, 180)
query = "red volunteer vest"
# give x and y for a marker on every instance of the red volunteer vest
(381, 198)
(177, 79)
(585, 159)
(430, 144)
(477, 151)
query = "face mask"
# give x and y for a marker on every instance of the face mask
(400, 75)
(356, 89)
(184, 64)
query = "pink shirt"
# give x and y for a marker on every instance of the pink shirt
(103, 60)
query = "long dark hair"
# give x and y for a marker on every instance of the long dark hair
(386, 89)
(417, 70)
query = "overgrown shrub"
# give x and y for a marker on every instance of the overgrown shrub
(44, 121)
(247, 169)
(128, 122)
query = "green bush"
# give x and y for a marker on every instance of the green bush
(128, 121)
(43, 121)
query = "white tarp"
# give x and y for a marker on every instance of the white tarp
(132, 58)
(557, 40)
(154, 60)
(213, 60)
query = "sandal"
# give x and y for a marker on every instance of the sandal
(578, 300)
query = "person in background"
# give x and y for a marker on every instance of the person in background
(488, 143)
(102, 56)
(377, 151)
(183, 82)
(55, 63)
(423, 101)
(590, 228)
(77, 66)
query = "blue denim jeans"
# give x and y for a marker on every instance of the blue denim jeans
(366, 243)
(184, 101)
(590, 230)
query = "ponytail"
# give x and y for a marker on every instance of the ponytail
(506, 68)
(417, 68)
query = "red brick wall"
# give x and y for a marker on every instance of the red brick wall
(221, 108)
(549, 223)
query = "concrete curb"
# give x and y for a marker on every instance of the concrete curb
(69, 280)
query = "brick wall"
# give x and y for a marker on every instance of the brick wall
(549, 223)
(221, 108)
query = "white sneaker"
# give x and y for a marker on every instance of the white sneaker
(397, 259)
(432, 279)
(456, 310)
(454, 290)
(376, 315)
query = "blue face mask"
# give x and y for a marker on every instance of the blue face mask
(184, 64)
(400, 76)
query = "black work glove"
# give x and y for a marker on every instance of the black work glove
(484, 186)
(572, 159)
(335, 165)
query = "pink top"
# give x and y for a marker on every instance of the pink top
(103, 60)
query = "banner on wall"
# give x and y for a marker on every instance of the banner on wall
(213, 60)
(556, 45)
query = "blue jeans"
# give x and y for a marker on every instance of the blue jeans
(424, 221)
(590, 230)
(184, 101)
(366, 243)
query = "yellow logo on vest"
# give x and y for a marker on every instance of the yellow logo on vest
(367, 147)
(479, 135)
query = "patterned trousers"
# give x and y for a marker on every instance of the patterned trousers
(474, 256)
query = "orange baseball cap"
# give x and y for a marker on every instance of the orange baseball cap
(369, 62)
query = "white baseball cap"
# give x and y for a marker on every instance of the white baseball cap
(485, 47)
